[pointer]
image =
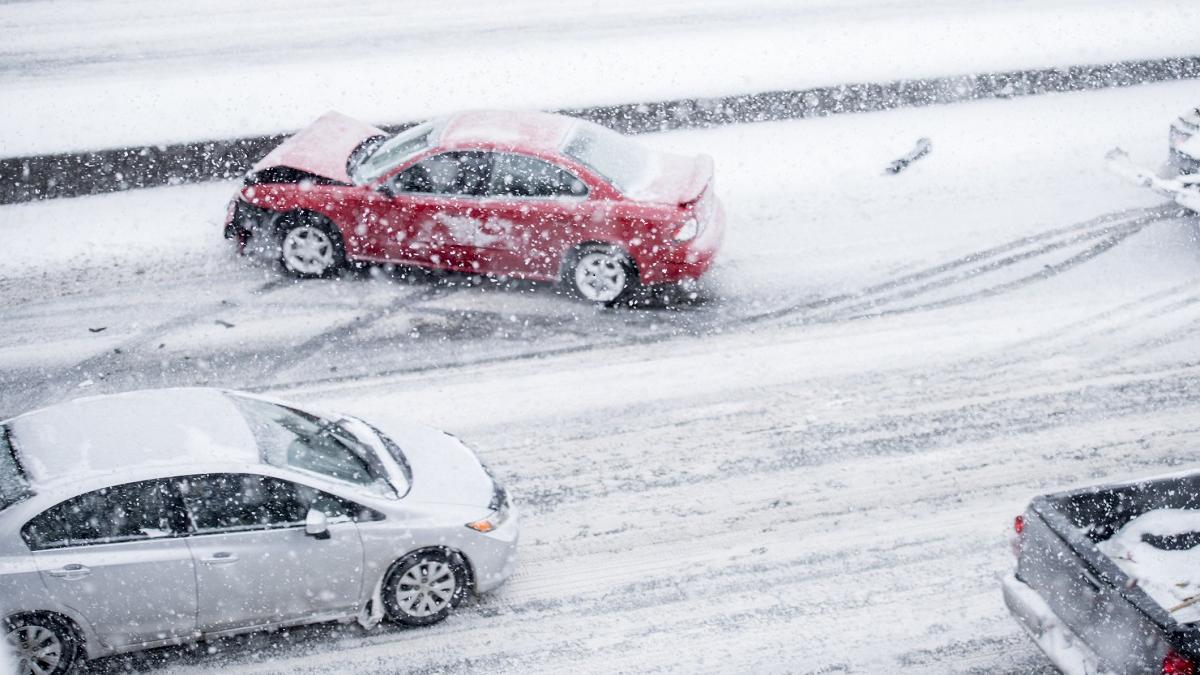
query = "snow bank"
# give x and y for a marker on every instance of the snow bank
(131, 73)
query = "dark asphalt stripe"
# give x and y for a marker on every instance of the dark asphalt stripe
(30, 178)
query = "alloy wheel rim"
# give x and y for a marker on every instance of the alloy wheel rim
(426, 588)
(600, 277)
(308, 250)
(39, 651)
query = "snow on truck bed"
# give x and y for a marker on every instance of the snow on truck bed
(1154, 550)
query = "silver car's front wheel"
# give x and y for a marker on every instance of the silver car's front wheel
(424, 587)
(41, 645)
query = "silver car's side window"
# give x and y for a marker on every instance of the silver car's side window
(236, 502)
(122, 513)
(222, 502)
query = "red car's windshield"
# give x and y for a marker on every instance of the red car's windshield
(392, 152)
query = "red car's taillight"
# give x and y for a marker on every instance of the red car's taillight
(1174, 664)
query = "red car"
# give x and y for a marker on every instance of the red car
(520, 194)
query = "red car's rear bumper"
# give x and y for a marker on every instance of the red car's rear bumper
(687, 260)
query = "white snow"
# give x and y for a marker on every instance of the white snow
(105, 435)
(1170, 577)
(822, 491)
(747, 499)
(84, 75)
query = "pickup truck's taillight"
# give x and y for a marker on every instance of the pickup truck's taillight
(1174, 664)
(1015, 539)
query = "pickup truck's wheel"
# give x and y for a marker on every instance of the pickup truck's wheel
(310, 247)
(599, 273)
(42, 644)
(422, 588)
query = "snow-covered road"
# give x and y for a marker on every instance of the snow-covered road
(813, 468)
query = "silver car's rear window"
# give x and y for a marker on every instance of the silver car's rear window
(13, 486)
(296, 439)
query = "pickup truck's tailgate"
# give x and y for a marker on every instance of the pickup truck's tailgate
(1124, 638)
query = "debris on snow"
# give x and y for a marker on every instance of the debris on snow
(1184, 189)
(921, 149)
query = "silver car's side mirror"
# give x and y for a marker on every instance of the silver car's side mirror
(316, 525)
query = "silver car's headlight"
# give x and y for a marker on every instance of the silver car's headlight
(499, 512)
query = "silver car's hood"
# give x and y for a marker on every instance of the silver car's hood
(444, 470)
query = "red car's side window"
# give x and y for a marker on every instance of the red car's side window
(516, 175)
(447, 173)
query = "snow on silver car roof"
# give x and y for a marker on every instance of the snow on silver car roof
(524, 129)
(157, 427)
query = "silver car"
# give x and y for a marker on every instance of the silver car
(158, 517)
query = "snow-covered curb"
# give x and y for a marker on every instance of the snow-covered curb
(75, 174)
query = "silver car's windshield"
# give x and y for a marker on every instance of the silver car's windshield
(298, 440)
(13, 486)
(391, 153)
(621, 161)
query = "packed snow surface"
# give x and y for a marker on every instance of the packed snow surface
(79, 75)
(1170, 577)
(811, 467)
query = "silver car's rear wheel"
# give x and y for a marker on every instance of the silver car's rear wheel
(42, 645)
(424, 587)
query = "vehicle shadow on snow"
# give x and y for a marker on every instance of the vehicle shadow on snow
(243, 650)
(686, 296)
(666, 297)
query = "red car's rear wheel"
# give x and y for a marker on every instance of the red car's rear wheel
(600, 273)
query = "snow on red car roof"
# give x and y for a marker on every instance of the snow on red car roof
(529, 130)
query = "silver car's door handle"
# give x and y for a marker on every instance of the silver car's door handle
(220, 558)
(71, 572)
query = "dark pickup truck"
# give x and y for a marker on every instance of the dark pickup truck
(1108, 578)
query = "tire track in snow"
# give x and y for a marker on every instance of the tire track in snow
(317, 344)
(1115, 226)
(875, 300)
(51, 387)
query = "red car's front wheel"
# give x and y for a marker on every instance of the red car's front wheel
(310, 248)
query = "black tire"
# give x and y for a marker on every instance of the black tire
(600, 273)
(416, 591)
(310, 247)
(49, 635)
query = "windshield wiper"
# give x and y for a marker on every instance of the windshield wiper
(362, 152)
